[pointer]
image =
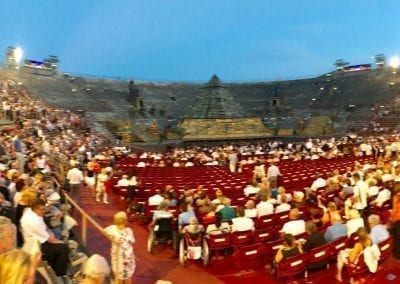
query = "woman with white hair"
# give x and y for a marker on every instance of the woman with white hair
(96, 270)
(122, 255)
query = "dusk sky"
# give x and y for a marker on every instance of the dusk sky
(187, 40)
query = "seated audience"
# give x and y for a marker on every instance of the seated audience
(264, 207)
(294, 226)
(289, 248)
(355, 221)
(35, 230)
(219, 227)
(351, 255)
(250, 211)
(314, 239)
(228, 213)
(241, 222)
(193, 227)
(18, 266)
(283, 206)
(336, 230)
(7, 235)
(379, 232)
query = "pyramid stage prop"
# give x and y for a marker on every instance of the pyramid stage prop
(216, 115)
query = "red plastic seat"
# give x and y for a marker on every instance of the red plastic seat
(249, 256)
(266, 221)
(385, 247)
(241, 238)
(356, 269)
(318, 257)
(291, 266)
(217, 243)
(337, 245)
(264, 235)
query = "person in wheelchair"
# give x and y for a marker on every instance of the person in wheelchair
(162, 226)
(193, 229)
(192, 244)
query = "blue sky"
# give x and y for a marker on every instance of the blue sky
(187, 40)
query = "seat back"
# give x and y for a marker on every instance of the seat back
(271, 248)
(319, 256)
(218, 242)
(241, 238)
(266, 221)
(264, 235)
(357, 268)
(385, 247)
(291, 266)
(249, 256)
(337, 245)
(163, 228)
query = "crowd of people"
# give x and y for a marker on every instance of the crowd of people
(42, 152)
(46, 150)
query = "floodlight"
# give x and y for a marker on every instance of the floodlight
(18, 52)
(395, 62)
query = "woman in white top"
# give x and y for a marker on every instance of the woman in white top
(218, 227)
(102, 177)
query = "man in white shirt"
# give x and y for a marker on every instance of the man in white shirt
(294, 226)
(155, 199)
(75, 179)
(251, 189)
(384, 194)
(35, 231)
(123, 181)
(264, 207)
(360, 194)
(273, 172)
(242, 223)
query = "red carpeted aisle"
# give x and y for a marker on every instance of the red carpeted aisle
(162, 265)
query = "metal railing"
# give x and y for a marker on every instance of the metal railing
(85, 219)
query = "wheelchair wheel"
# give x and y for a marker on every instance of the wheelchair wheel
(205, 252)
(182, 253)
(150, 243)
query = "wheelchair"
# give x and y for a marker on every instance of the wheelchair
(193, 247)
(164, 232)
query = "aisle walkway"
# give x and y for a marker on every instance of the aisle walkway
(162, 265)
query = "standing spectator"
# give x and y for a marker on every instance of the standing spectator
(18, 150)
(75, 179)
(102, 178)
(360, 194)
(90, 181)
(122, 254)
(233, 160)
(273, 173)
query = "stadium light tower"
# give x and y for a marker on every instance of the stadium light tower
(395, 62)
